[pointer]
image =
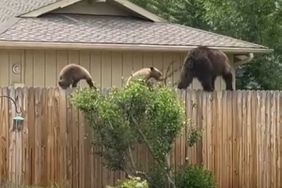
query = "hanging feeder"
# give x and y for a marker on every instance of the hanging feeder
(18, 119)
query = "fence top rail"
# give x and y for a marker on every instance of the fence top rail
(106, 90)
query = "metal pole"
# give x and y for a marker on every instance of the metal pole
(13, 102)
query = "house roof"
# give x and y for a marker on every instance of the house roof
(107, 32)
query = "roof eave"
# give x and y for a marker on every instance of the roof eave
(127, 47)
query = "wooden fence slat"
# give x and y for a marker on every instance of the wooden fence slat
(209, 131)
(215, 144)
(279, 123)
(259, 138)
(218, 137)
(274, 141)
(31, 134)
(82, 154)
(224, 140)
(188, 107)
(37, 138)
(199, 148)
(264, 140)
(271, 141)
(59, 132)
(249, 136)
(244, 140)
(229, 138)
(44, 137)
(194, 123)
(50, 145)
(75, 147)
(19, 97)
(4, 134)
(12, 145)
(183, 133)
(204, 130)
(236, 140)
(25, 153)
(253, 149)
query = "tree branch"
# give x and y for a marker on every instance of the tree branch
(132, 162)
(171, 73)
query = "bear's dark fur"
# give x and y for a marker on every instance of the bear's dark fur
(205, 64)
(71, 74)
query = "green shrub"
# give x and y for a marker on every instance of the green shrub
(132, 182)
(194, 176)
(135, 114)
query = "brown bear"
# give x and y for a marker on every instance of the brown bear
(71, 74)
(205, 64)
(146, 74)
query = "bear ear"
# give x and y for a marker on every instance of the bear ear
(152, 68)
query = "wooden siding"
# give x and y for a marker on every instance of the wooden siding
(40, 68)
(241, 140)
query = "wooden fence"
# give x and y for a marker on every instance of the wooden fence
(241, 143)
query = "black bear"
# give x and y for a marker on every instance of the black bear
(205, 64)
(146, 74)
(71, 74)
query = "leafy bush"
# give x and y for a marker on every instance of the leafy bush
(132, 182)
(194, 176)
(137, 113)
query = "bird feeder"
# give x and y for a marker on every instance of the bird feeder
(18, 119)
(17, 122)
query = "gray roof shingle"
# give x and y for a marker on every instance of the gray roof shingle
(114, 30)
(12, 8)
